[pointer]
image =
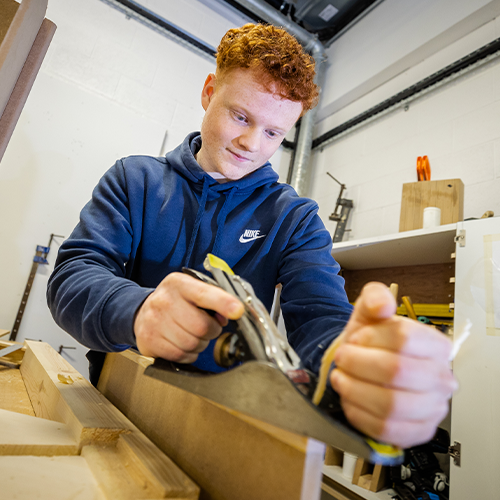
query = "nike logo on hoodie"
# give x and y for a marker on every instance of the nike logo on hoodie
(250, 235)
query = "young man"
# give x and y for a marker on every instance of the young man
(117, 281)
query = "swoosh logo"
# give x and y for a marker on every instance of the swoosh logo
(246, 240)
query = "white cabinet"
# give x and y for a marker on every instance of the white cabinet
(475, 416)
(475, 294)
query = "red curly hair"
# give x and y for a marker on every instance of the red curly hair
(287, 70)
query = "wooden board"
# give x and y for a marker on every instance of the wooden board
(44, 478)
(27, 435)
(8, 9)
(13, 395)
(14, 357)
(135, 469)
(229, 457)
(58, 392)
(24, 83)
(448, 195)
(17, 43)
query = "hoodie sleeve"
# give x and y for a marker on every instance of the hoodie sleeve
(88, 292)
(313, 300)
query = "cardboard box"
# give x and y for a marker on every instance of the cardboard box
(448, 195)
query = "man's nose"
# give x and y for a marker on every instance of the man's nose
(249, 140)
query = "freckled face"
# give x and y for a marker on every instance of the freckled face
(243, 124)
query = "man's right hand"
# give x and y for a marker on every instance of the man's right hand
(171, 323)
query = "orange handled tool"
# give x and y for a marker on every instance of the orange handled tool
(423, 169)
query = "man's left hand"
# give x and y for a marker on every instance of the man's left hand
(393, 373)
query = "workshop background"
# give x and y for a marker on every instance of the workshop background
(111, 87)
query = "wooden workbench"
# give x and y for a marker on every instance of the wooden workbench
(60, 436)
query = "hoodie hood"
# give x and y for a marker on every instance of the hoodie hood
(183, 160)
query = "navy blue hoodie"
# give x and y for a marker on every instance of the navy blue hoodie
(149, 217)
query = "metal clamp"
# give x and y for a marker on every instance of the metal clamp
(460, 237)
(455, 452)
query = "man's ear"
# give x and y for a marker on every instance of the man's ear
(208, 91)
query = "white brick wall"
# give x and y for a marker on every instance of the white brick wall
(457, 126)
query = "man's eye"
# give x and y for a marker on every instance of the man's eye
(272, 134)
(239, 117)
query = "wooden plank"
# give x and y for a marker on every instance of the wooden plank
(227, 456)
(114, 446)
(24, 83)
(58, 392)
(448, 195)
(8, 9)
(136, 469)
(15, 357)
(368, 476)
(3, 332)
(13, 395)
(26, 435)
(47, 478)
(17, 44)
(147, 462)
(333, 456)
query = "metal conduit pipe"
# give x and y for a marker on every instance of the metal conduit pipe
(300, 171)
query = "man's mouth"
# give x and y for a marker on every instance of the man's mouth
(238, 157)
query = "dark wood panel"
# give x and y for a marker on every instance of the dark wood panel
(428, 284)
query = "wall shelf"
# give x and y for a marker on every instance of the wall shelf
(419, 247)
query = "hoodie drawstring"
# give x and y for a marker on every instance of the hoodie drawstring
(221, 219)
(199, 215)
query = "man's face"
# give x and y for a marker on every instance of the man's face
(243, 124)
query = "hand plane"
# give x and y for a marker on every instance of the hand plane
(267, 380)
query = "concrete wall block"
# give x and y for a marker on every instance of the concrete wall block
(213, 27)
(139, 66)
(458, 98)
(343, 150)
(75, 37)
(478, 126)
(390, 130)
(68, 63)
(480, 197)
(385, 190)
(141, 98)
(433, 141)
(92, 16)
(186, 14)
(473, 165)
(496, 159)
(190, 84)
(115, 26)
(101, 80)
(185, 120)
(367, 224)
(169, 76)
(391, 215)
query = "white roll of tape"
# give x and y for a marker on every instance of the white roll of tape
(432, 217)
